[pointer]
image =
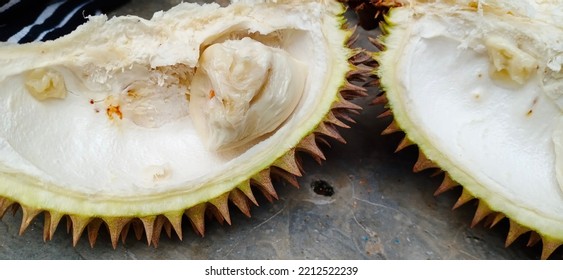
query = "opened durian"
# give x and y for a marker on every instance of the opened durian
(135, 124)
(478, 86)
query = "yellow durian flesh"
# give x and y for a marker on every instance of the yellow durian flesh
(477, 86)
(121, 141)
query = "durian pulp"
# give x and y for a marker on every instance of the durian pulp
(478, 86)
(122, 140)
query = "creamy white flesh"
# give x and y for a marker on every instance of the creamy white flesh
(479, 88)
(126, 128)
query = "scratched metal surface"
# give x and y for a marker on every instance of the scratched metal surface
(380, 210)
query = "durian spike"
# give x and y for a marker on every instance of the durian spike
(463, 198)
(386, 113)
(78, 225)
(548, 247)
(331, 118)
(148, 224)
(221, 203)
(5, 203)
(288, 163)
(405, 142)
(239, 199)
(196, 214)
(264, 182)
(351, 90)
(377, 43)
(51, 221)
(247, 190)
(344, 116)
(115, 226)
(138, 228)
(534, 239)
(125, 232)
(330, 131)
(373, 83)
(345, 104)
(93, 230)
(309, 145)
(288, 177)
(514, 232)
(175, 219)
(497, 218)
(447, 184)
(380, 100)
(392, 128)
(28, 215)
(167, 228)
(359, 58)
(482, 211)
(423, 163)
(157, 229)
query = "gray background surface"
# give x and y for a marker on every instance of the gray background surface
(380, 210)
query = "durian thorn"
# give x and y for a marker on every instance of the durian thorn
(54, 220)
(380, 100)
(221, 203)
(239, 200)
(391, 128)
(377, 43)
(196, 214)
(497, 218)
(374, 82)
(351, 90)
(157, 230)
(343, 115)
(309, 145)
(167, 228)
(342, 103)
(175, 219)
(93, 229)
(288, 163)
(5, 203)
(447, 184)
(534, 239)
(78, 225)
(68, 224)
(405, 142)
(29, 213)
(115, 225)
(515, 231)
(286, 176)
(359, 58)
(125, 232)
(245, 188)
(353, 38)
(423, 163)
(386, 113)
(138, 228)
(148, 224)
(264, 182)
(14, 208)
(482, 211)
(359, 73)
(548, 247)
(330, 131)
(463, 198)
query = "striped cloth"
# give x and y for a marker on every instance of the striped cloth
(23, 21)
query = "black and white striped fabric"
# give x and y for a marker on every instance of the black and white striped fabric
(23, 21)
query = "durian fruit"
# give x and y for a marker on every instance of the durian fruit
(478, 86)
(134, 124)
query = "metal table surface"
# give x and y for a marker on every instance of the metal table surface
(380, 210)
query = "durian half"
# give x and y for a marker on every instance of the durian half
(478, 86)
(136, 123)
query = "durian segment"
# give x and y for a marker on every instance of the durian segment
(475, 85)
(122, 142)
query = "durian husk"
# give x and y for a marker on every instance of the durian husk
(287, 167)
(483, 213)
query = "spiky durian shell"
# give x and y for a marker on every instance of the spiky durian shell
(483, 212)
(287, 167)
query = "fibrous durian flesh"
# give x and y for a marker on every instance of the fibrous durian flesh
(136, 123)
(478, 86)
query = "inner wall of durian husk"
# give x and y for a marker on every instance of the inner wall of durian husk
(379, 209)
